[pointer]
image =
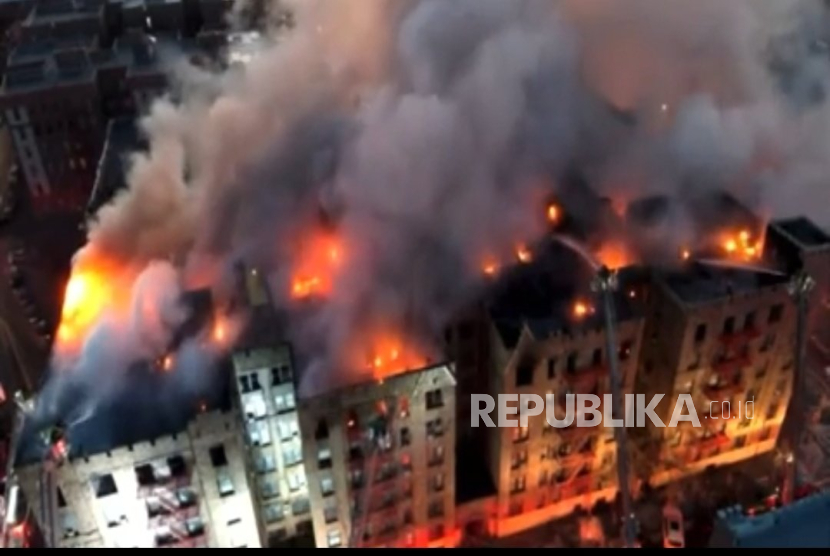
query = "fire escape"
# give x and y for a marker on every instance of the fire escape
(172, 506)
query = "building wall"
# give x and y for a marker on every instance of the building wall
(105, 500)
(380, 460)
(693, 353)
(543, 472)
(264, 380)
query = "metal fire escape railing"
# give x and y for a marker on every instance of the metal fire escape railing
(605, 283)
(174, 513)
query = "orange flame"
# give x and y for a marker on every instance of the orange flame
(391, 356)
(742, 245)
(685, 254)
(92, 289)
(167, 363)
(315, 270)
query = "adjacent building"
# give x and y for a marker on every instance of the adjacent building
(547, 336)
(265, 382)
(380, 459)
(73, 65)
(726, 337)
(186, 490)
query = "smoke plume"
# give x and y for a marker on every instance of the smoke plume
(427, 133)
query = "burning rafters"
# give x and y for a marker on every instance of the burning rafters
(742, 245)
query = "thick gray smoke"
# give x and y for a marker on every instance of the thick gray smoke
(428, 131)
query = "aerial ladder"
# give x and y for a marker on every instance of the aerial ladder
(16, 530)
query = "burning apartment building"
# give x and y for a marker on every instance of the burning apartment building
(726, 337)
(547, 336)
(380, 460)
(720, 326)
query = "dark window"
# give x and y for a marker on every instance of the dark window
(524, 373)
(572, 362)
(434, 399)
(776, 312)
(436, 509)
(217, 456)
(552, 367)
(406, 437)
(276, 537)
(596, 358)
(322, 431)
(145, 475)
(355, 452)
(700, 333)
(729, 325)
(178, 467)
(749, 323)
(105, 485)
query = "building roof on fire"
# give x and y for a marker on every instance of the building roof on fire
(541, 296)
(149, 403)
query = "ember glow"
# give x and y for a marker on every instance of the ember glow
(489, 266)
(523, 254)
(167, 363)
(319, 260)
(554, 214)
(582, 309)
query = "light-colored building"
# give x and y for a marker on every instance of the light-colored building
(265, 383)
(548, 337)
(185, 490)
(727, 338)
(381, 462)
